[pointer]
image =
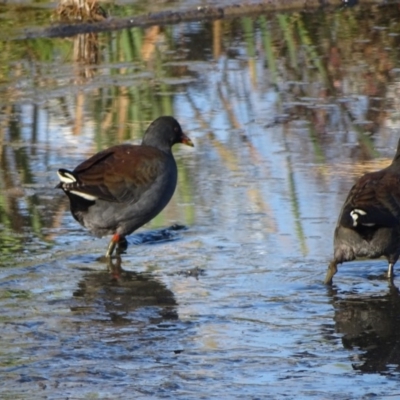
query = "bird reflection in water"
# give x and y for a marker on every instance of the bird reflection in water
(125, 297)
(372, 325)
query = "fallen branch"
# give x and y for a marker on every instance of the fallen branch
(207, 13)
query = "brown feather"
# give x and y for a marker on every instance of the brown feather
(121, 173)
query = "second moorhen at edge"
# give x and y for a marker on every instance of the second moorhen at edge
(369, 222)
(119, 189)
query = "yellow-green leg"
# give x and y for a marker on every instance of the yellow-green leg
(332, 269)
(113, 243)
(118, 244)
(390, 271)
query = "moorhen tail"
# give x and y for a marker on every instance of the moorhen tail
(369, 222)
(119, 189)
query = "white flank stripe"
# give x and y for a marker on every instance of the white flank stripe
(84, 195)
(66, 177)
(355, 214)
(358, 211)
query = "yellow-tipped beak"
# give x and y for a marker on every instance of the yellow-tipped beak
(186, 140)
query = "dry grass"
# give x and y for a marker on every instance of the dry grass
(79, 11)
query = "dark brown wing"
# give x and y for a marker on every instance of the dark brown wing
(121, 173)
(373, 201)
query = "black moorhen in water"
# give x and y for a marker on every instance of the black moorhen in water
(369, 222)
(119, 189)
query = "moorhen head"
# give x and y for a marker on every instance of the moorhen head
(119, 189)
(369, 222)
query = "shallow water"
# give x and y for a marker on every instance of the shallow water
(285, 110)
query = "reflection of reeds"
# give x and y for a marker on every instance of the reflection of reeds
(248, 35)
(17, 208)
(85, 55)
(288, 30)
(270, 57)
(294, 199)
(217, 39)
(230, 158)
(314, 71)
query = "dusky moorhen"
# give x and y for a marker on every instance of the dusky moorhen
(119, 189)
(369, 222)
